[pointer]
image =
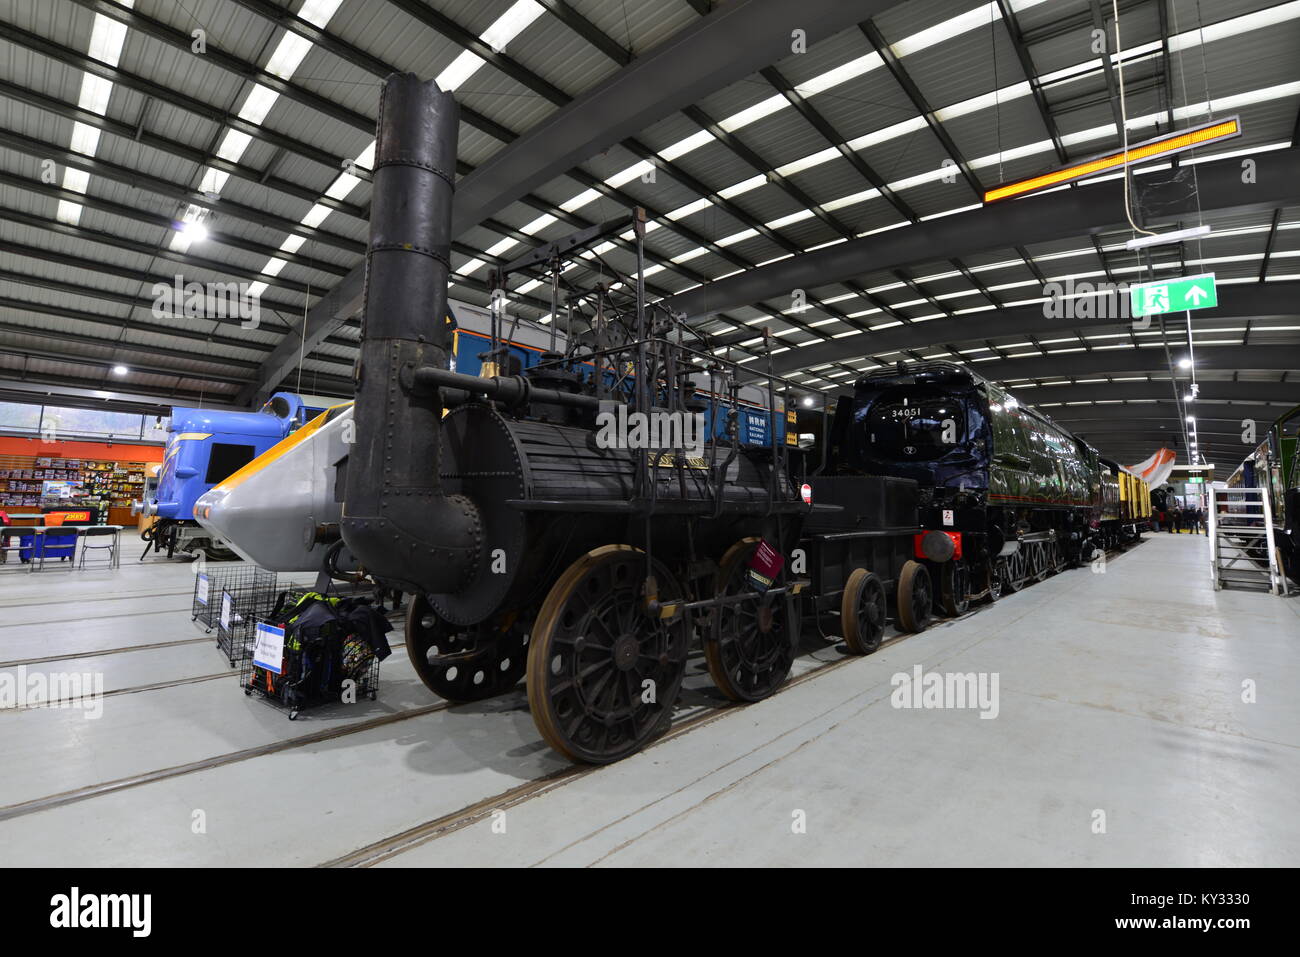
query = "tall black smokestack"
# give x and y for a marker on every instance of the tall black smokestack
(396, 518)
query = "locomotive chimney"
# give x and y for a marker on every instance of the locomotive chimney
(397, 520)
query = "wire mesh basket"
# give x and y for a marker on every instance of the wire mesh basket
(202, 607)
(237, 596)
(337, 668)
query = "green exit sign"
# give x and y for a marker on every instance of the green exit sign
(1173, 295)
(1194, 479)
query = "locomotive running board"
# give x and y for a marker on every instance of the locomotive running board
(671, 506)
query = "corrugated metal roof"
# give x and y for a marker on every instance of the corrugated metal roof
(964, 65)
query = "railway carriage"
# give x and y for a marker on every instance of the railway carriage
(1274, 466)
(204, 447)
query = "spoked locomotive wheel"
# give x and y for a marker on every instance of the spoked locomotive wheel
(1056, 557)
(863, 610)
(602, 674)
(1016, 570)
(754, 650)
(954, 588)
(1033, 562)
(990, 579)
(1041, 566)
(914, 597)
(464, 664)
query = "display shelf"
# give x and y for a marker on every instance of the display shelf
(115, 484)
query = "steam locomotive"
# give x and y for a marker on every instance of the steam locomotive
(1020, 495)
(533, 546)
(528, 545)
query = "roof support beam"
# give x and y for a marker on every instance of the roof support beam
(1217, 397)
(1238, 301)
(172, 147)
(170, 190)
(1129, 361)
(141, 301)
(153, 251)
(142, 400)
(730, 43)
(1045, 218)
(131, 81)
(1155, 414)
(900, 75)
(121, 324)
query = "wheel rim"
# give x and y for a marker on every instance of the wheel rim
(863, 612)
(750, 654)
(464, 664)
(1014, 565)
(1041, 566)
(593, 651)
(956, 588)
(914, 597)
(921, 599)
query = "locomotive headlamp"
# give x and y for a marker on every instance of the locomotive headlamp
(1152, 149)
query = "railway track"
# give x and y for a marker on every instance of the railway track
(149, 686)
(398, 844)
(423, 833)
(68, 621)
(120, 597)
(103, 651)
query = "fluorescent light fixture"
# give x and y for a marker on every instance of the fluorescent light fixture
(288, 55)
(194, 231)
(511, 23)
(106, 38)
(120, 370)
(258, 103)
(1158, 147)
(318, 12)
(1162, 239)
(85, 139)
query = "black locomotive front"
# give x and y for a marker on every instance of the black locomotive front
(530, 546)
(1018, 494)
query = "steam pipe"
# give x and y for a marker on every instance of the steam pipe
(397, 520)
(512, 390)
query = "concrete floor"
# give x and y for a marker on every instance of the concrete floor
(1120, 693)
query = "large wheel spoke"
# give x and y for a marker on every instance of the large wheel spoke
(747, 662)
(609, 721)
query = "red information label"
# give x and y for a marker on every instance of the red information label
(764, 566)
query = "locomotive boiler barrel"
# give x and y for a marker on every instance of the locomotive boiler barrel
(397, 520)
